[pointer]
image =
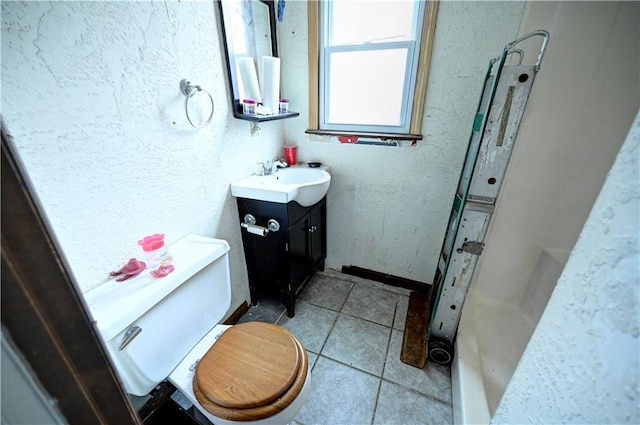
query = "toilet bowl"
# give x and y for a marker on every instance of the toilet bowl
(156, 329)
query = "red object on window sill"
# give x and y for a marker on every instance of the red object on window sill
(348, 139)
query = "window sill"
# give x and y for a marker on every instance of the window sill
(365, 135)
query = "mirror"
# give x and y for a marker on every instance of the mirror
(249, 33)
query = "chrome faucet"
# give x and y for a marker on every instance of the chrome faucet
(277, 164)
(264, 169)
(270, 167)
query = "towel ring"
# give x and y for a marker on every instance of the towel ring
(189, 90)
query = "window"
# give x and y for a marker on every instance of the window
(368, 66)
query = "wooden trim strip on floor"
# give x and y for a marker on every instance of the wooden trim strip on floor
(414, 342)
(387, 279)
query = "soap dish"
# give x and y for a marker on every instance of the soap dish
(315, 164)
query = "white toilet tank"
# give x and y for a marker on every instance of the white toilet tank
(165, 317)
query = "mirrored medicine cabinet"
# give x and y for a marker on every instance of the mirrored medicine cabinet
(249, 33)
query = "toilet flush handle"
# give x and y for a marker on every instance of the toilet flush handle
(129, 336)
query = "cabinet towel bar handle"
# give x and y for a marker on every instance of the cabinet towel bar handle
(255, 229)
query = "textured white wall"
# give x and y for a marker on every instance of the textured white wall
(90, 93)
(582, 364)
(388, 207)
(581, 106)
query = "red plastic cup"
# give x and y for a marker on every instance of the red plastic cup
(290, 154)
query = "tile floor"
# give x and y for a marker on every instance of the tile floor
(352, 329)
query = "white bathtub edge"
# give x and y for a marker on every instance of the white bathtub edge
(469, 399)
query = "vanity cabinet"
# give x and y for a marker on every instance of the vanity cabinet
(283, 261)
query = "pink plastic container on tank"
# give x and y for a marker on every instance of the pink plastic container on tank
(155, 251)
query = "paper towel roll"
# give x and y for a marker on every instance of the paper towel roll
(270, 82)
(248, 80)
(255, 229)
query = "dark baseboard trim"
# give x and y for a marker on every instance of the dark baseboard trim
(236, 315)
(387, 279)
(159, 395)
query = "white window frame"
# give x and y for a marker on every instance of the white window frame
(415, 88)
(411, 67)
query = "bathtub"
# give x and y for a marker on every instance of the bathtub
(492, 336)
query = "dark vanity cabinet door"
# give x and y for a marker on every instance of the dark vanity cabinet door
(298, 254)
(318, 236)
(282, 262)
(265, 256)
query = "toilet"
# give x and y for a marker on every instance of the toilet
(158, 329)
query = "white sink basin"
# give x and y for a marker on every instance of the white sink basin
(304, 185)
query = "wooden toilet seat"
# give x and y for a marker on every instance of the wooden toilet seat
(254, 371)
